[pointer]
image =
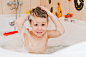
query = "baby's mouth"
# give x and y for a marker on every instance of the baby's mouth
(39, 32)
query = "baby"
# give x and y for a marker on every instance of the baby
(36, 40)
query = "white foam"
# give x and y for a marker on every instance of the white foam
(29, 43)
(31, 17)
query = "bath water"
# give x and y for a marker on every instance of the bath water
(15, 43)
(50, 49)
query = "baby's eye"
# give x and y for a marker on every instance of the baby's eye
(36, 24)
(43, 24)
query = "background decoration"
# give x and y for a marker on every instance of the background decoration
(77, 6)
(59, 13)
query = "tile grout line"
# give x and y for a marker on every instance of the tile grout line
(30, 4)
(1, 7)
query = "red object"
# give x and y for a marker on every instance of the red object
(10, 33)
(68, 15)
(13, 32)
(28, 29)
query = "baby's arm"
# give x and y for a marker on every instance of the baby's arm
(19, 23)
(59, 28)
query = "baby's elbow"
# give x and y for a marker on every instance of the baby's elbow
(63, 31)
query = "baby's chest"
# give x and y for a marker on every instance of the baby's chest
(38, 43)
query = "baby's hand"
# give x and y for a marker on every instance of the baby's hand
(44, 8)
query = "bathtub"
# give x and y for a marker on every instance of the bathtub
(74, 34)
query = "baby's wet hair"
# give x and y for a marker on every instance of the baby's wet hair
(38, 12)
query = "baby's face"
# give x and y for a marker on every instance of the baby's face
(39, 27)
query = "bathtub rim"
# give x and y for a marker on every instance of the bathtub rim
(80, 22)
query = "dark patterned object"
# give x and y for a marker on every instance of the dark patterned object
(79, 7)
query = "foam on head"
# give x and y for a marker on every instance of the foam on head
(31, 17)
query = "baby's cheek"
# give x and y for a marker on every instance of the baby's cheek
(44, 28)
(34, 28)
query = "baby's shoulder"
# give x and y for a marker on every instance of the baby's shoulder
(29, 34)
(26, 34)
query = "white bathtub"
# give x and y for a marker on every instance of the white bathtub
(74, 33)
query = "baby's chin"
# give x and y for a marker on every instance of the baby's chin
(39, 34)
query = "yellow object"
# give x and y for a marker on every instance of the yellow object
(59, 9)
(28, 12)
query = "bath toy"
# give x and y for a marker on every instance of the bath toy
(59, 9)
(79, 6)
(51, 10)
(69, 0)
(68, 15)
(28, 12)
(12, 32)
(59, 14)
(49, 1)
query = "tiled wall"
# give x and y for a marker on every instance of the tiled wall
(6, 9)
(83, 16)
(0, 7)
(76, 13)
(66, 7)
(27, 5)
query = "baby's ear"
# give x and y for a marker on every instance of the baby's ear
(47, 23)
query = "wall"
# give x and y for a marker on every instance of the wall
(76, 13)
(27, 5)
(83, 16)
(63, 3)
(0, 7)
(66, 7)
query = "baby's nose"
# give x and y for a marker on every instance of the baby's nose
(39, 28)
